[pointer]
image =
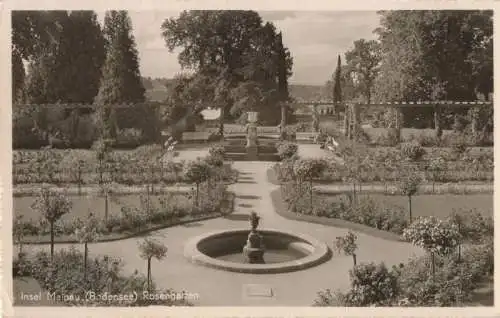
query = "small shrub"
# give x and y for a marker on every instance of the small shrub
(447, 287)
(371, 285)
(362, 136)
(65, 276)
(347, 245)
(457, 142)
(432, 234)
(412, 151)
(20, 265)
(287, 150)
(327, 298)
(388, 139)
(217, 150)
(427, 140)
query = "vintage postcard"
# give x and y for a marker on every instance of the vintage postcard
(177, 159)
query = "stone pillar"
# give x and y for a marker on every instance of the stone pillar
(398, 125)
(346, 120)
(437, 122)
(355, 121)
(315, 119)
(283, 114)
(474, 112)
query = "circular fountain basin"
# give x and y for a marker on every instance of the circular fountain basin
(284, 251)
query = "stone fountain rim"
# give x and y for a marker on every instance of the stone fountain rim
(321, 253)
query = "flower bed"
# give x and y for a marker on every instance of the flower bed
(381, 212)
(411, 285)
(64, 275)
(81, 168)
(386, 165)
(127, 216)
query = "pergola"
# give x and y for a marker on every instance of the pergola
(352, 111)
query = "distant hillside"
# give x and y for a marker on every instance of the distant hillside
(156, 90)
(306, 92)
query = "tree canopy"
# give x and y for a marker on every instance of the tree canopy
(244, 55)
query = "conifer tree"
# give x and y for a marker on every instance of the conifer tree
(80, 58)
(18, 75)
(337, 81)
(121, 81)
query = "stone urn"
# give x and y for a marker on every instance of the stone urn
(254, 248)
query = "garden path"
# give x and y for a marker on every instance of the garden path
(219, 288)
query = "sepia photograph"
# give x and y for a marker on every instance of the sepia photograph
(228, 158)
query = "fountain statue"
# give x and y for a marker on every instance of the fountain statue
(254, 248)
(252, 140)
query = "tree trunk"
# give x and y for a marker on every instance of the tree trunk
(354, 259)
(149, 274)
(197, 194)
(100, 171)
(147, 199)
(79, 173)
(433, 265)
(51, 240)
(221, 121)
(354, 192)
(409, 208)
(85, 257)
(283, 116)
(311, 195)
(106, 206)
(152, 172)
(459, 252)
(346, 121)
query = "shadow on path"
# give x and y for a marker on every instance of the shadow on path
(196, 224)
(236, 217)
(245, 205)
(246, 178)
(248, 197)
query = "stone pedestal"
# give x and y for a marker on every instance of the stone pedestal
(252, 153)
(252, 137)
(254, 248)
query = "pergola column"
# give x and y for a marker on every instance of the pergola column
(346, 120)
(437, 122)
(474, 120)
(399, 122)
(355, 120)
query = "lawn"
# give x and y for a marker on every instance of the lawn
(82, 205)
(434, 205)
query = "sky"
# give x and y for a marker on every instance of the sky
(314, 38)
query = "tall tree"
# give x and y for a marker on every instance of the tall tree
(18, 75)
(434, 55)
(121, 81)
(42, 80)
(80, 58)
(233, 47)
(349, 90)
(337, 83)
(364, 61)
(282, 59)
